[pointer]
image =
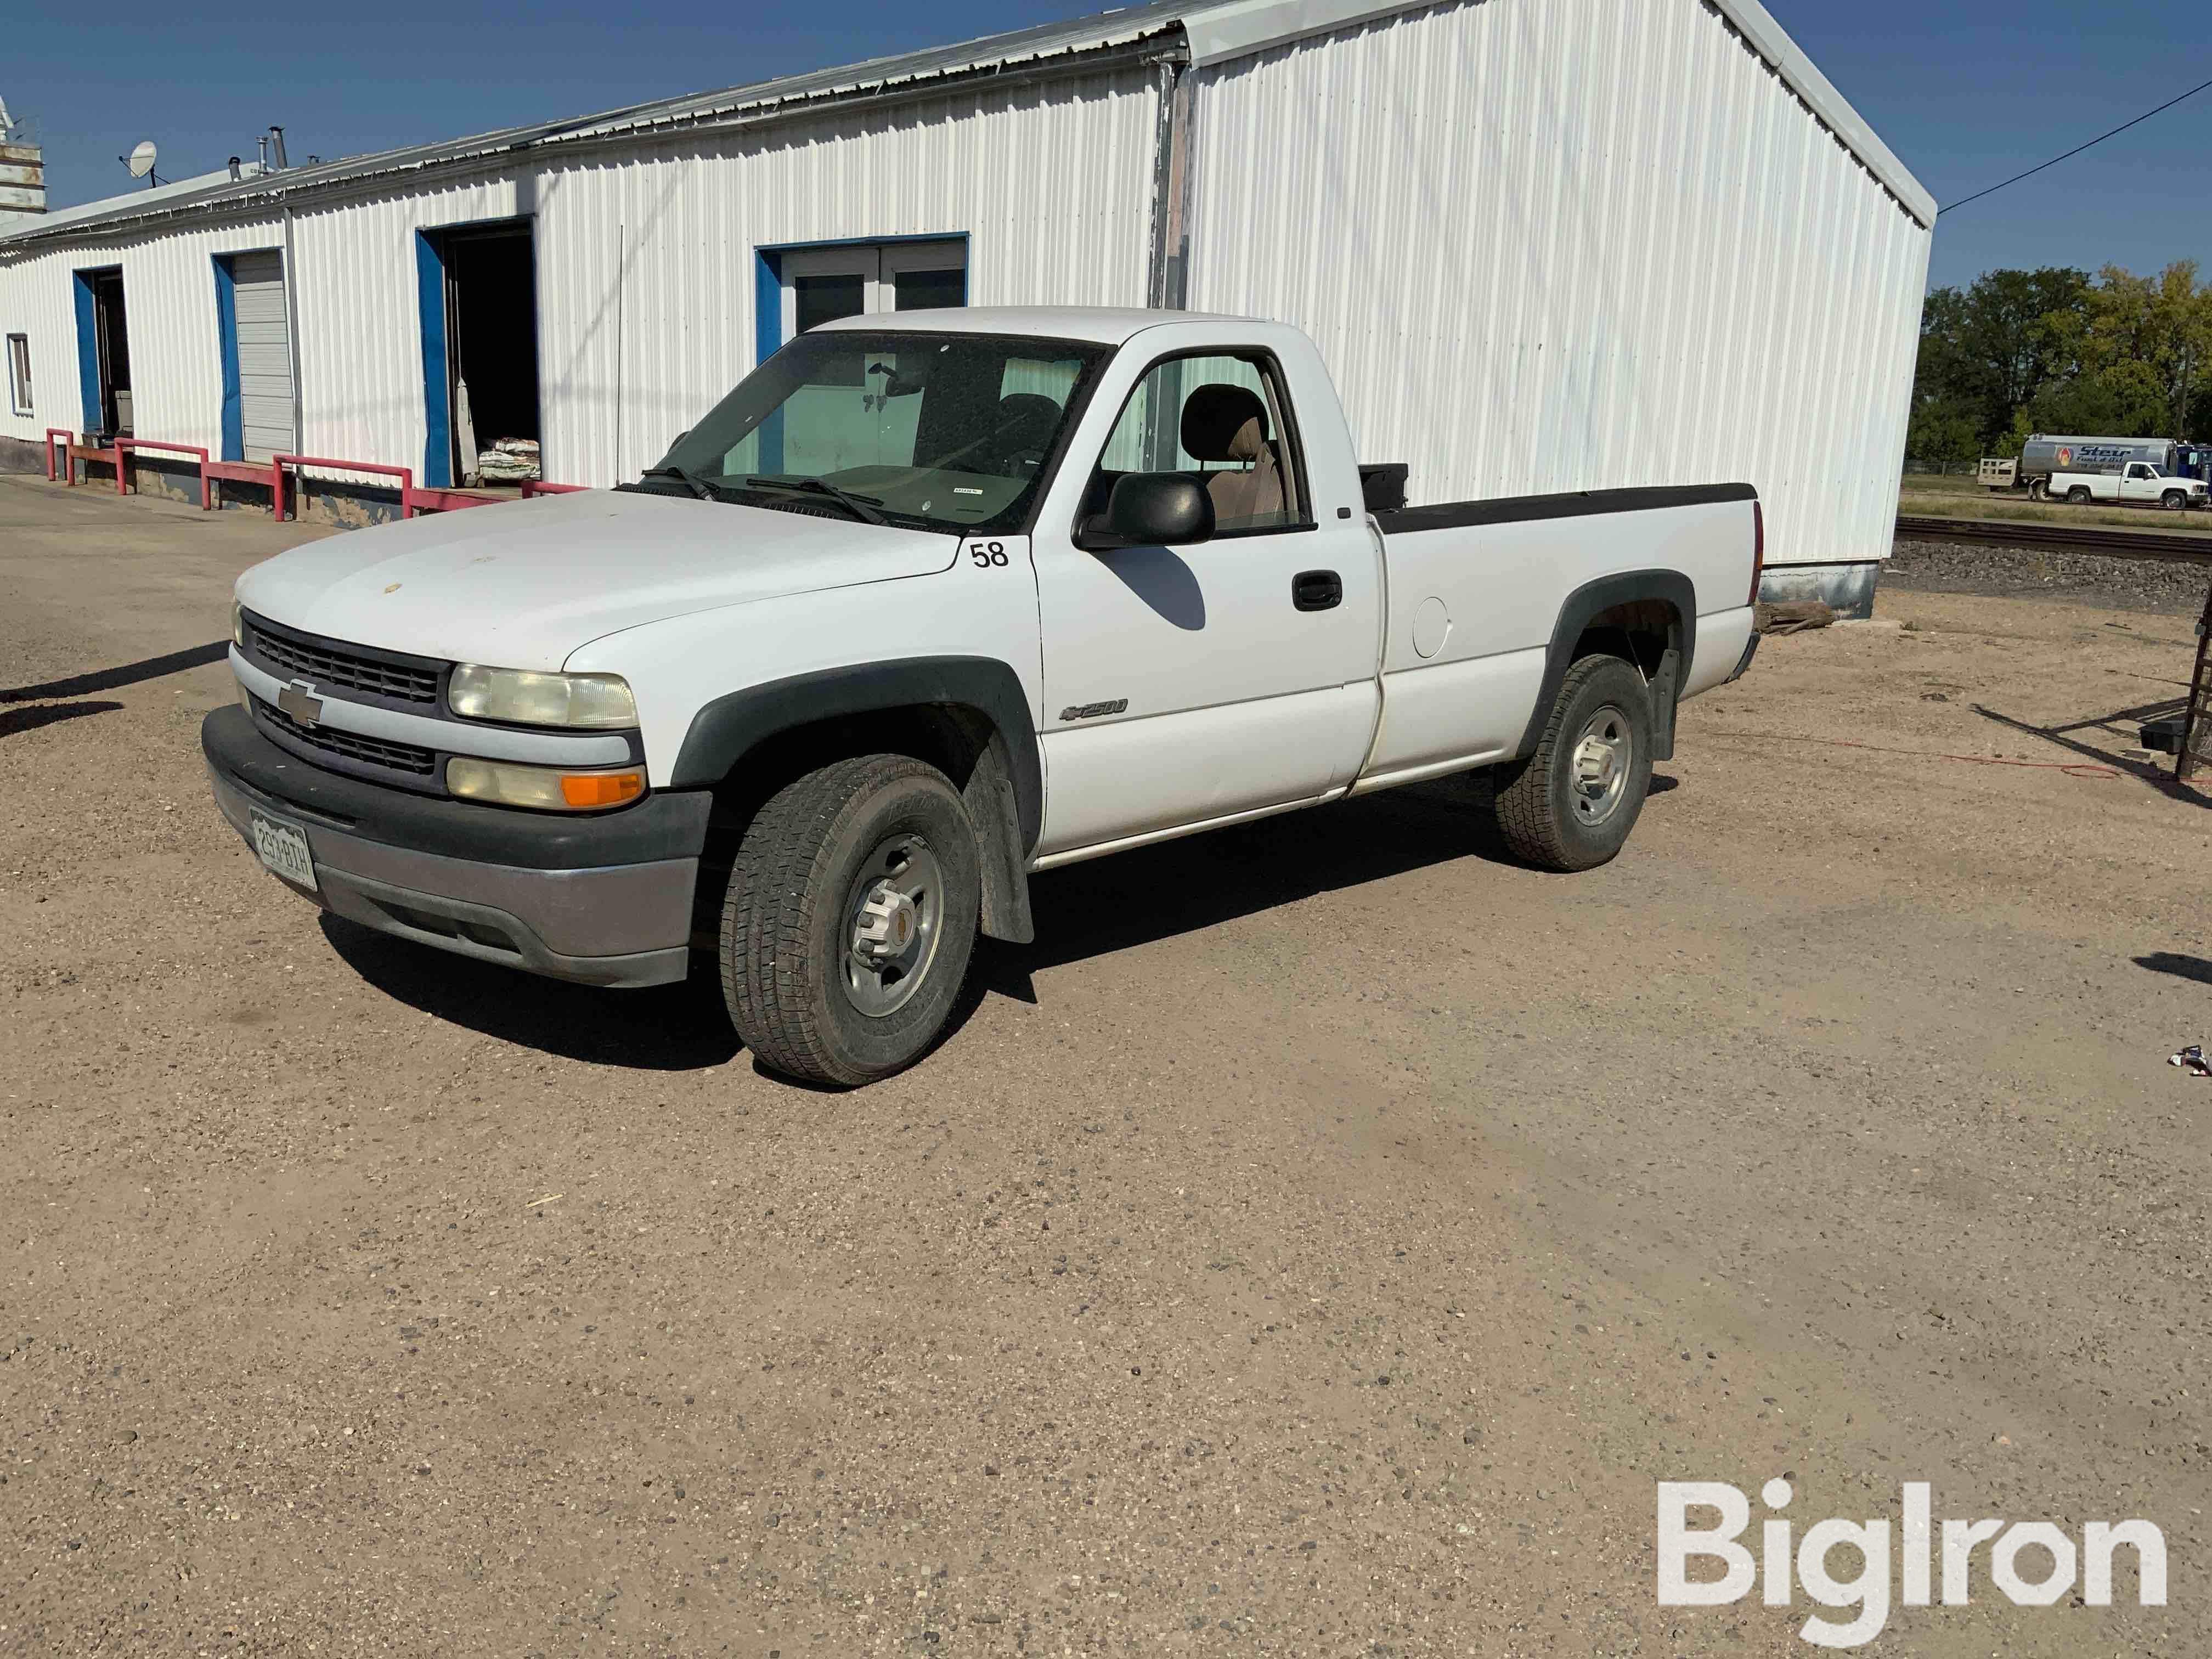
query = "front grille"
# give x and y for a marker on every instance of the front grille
(329, 664)
(369, 751)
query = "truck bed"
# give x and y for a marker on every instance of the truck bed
(1481, 590)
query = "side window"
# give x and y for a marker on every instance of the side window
(19, 373)
(1219, 419)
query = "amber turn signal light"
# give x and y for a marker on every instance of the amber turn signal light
(583, 789)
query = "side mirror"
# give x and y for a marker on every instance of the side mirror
(1152, 509)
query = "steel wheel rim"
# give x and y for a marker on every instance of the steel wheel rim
(1601, 758)
(894, 914)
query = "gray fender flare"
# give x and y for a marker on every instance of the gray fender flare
(1670, 588)
(1004, 795)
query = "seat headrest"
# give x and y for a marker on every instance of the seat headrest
(1223, 424)
(1029, 414)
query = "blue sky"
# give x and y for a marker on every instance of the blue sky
(1966, 92)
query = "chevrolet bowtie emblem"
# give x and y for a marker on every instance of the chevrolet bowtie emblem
(300, 701)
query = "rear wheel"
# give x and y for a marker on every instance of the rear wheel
(1571, 804)
(2079, 495)
(849, 919)
(2039, 489)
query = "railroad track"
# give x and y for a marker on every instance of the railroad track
(2162, 546)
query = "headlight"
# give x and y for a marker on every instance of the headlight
(238, 624)
(547, 788)
(525, 698)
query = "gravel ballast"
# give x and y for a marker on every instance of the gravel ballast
(2086, 578)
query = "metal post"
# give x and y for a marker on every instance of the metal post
(622, 245)
(2194, 749)
(1167, 284)
(292, 328)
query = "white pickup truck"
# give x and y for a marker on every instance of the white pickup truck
(2139, 484)
(929, 602)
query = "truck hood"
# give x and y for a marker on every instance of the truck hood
(523, 585)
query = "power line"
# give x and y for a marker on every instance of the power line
(2077, 149)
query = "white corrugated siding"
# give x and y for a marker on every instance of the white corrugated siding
(1554, 245)
(360, 334)
(1050, 181)
(169, 300)
(35, 301)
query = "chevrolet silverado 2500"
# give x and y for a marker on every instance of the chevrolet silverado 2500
(928, 603)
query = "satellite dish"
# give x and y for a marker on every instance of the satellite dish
(140, 159)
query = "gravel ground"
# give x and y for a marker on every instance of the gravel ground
(2026, 572)
(1318, 1243)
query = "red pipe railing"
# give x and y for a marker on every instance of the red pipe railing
(125, 446)
(405, 475)
(413, 499)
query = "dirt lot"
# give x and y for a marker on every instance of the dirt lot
(1320, 1243)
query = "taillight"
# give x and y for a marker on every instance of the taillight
(1757, 548)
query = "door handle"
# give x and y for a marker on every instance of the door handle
(1316, 589)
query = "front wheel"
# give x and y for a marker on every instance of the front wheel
(1571, 804)
(2173, 500)
(849, 919)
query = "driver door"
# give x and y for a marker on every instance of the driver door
(1188, 684)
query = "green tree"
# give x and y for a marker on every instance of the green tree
(1992, 347)
(2136, 351)
(1941, 435)
(2127, 399)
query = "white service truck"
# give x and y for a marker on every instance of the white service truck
(2138, 484)
(927, 604)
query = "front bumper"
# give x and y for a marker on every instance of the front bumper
(604, 900)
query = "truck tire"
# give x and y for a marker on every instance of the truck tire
(2078, 495)
(849, 919)
(1571, 804)
(2173, 500)
(2039, 489)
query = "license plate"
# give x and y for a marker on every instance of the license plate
(283, 848)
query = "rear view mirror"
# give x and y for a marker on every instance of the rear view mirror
(1152, 509)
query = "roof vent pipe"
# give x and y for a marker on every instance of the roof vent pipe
(276, 147)
(235, 175)
(263, 142)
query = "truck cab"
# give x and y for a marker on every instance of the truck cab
(925, 606)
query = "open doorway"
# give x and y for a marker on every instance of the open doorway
(480, 354)
(104, 353)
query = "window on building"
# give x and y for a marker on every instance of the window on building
(18, 372)
(855, 279)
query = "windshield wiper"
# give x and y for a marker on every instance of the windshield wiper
(699, 487)
(861, 507)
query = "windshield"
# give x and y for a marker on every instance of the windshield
(930, 431)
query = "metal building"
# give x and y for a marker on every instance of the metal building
(1544, 244)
